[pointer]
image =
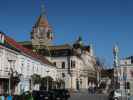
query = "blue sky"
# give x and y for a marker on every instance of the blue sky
(100, 22)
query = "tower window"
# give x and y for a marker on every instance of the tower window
(63, 65)
(48, 35)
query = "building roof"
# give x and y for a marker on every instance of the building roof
(28, 52)
(60, 47)
(129, 57)
(57, 50)
(42, 22)
(25, 42)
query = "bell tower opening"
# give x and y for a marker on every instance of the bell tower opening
(41, 34)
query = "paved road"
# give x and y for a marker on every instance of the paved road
(86, 96)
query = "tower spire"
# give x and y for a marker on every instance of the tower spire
(43, 11)
(116, 55)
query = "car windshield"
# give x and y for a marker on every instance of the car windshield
(118, 91)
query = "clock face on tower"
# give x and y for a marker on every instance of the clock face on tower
(41, 36)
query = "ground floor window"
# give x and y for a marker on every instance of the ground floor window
(4, 86)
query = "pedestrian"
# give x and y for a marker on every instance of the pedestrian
(89, 90)
(93, 88)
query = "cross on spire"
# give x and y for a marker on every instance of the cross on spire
(42, 19)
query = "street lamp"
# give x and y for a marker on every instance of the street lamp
(47, 80)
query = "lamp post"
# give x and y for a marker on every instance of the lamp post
(47, 80)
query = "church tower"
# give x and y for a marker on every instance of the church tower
(41, 34)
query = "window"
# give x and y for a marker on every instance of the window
(33, 68)
(127, 85)
(37, 69)
(63, 65)
(22, 67)
(72, 64)
(132, 60)
(63, 75)
(28, 69)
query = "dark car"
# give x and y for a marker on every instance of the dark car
(42, 95)
(17, 97)
(35, 95)
(61, 94)
(66, 92)
(26, 96)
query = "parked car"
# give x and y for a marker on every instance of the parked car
(66, 92)
(17, 97)
(35, 95)
(99, 91)
(42, 95)
(61, 94)
(118, 95)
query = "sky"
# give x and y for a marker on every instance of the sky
(102, 23)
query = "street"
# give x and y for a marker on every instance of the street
(86, 96)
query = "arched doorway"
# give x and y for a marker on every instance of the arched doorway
(46, 83)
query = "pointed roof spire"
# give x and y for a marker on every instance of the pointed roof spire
(80, 41)
(116, 55)
(115, 49)
(43, 11)
(42, 19)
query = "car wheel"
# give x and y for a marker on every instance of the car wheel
(116, 99)
(58, 98)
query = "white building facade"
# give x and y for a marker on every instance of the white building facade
(125, 74)
(75, 65)
(76, 70)
(19, 62)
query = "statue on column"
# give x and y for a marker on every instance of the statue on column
(117, 70)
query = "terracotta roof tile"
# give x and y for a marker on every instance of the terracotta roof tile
(42, 22)
(29, 52)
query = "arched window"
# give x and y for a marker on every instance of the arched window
(63, 65)
(72, 64)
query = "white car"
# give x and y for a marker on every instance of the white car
(118, 94)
